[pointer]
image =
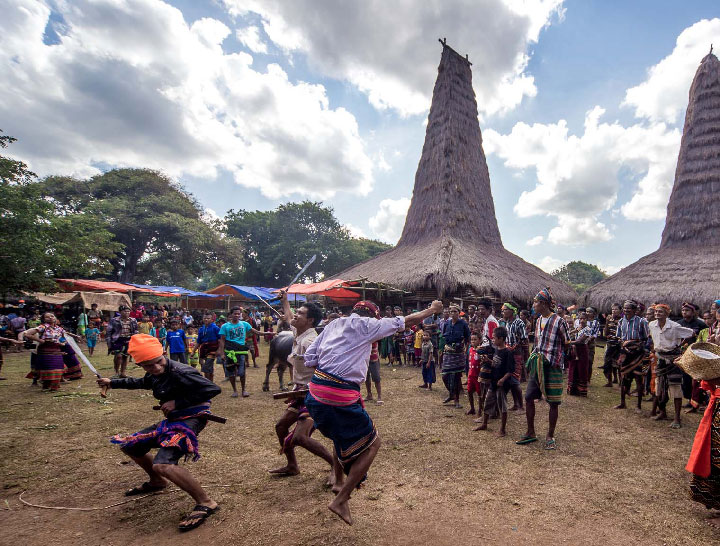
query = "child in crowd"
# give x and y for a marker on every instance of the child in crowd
(144, 325)
(409, 339)
(473, 378)
(485, 377)
(192, 337)
(503, 364)
(177, 342)
(92, 333)
(159, 332)
(417, 345)
(427, 362)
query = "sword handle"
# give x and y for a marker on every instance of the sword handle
(103, 391)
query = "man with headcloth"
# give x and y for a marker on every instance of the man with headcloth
(632, 332)
(545, 367)
(691, 389)
(667, 337)
(340, 356)
(517, 341)
(457, 337)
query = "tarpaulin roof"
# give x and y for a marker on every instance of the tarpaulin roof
(106, 301)
(110, 286)
(334, 289)
(175, 290)
(252, 293)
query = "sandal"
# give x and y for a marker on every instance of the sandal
(526, 440)
(550, 445)
(196, 518)
(146, 487)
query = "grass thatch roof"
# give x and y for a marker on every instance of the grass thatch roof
(451, 238)
(687, 265)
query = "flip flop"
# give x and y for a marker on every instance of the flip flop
(550, 445)
(195, 520)
(146, 487)
(526, 440)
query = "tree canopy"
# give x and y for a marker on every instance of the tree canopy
(38, 241)
(579, 275)
(163, 235)
(278, 243)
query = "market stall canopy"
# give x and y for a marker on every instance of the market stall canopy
(334, 289)
(175, 290)
(106, 301)
(90, 285)
(250, 293)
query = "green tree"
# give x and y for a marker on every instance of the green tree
(39, 242)
(164, 238)
(277, 243)
(579, 275)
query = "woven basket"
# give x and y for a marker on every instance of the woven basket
(701, 366)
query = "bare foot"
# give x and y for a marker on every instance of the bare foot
(331, 479)
(620, 406)
(608, 384)
(481, 427)
(336, 488)
(500, 433)
(285, 471)
(715, 522)
(471, 411)
(660, 417)
(692, 410)
(478, 420)
(638, 410)
(342, 509)
(515, 408)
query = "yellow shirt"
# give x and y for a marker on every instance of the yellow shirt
(144, 327)
(418, 339)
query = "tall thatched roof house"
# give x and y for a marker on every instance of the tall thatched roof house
(450, 245)
(686, 267)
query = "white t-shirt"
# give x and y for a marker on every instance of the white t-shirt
(301, 373)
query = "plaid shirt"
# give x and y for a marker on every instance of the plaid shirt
(550, 340)
(635, 328)
(516, 331)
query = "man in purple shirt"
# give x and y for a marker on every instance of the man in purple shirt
(340, 356)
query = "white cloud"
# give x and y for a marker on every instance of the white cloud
(389, 49)
(131, 83)
(388, 222)
(250, 37)
(355, 231)
(535, 240)
(549, 264)
(209, 215)
(610, 269)
(577, 176)
(664, 94)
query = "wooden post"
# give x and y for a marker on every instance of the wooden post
(363, 288)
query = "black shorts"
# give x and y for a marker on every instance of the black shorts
(120, 346)
(164, 455)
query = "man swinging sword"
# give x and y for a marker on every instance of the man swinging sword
(340, 357)
(303, 325)
(184, 396)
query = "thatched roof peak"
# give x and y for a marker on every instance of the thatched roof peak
(687, 265)
(451, 242)
(697, 177)
(452, 196)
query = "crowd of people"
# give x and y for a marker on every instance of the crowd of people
(487, 351)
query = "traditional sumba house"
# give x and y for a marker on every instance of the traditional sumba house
(686, 267)
(450, 245)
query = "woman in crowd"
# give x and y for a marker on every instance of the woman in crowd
(55, 358)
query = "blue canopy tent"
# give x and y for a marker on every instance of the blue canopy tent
(178, 290)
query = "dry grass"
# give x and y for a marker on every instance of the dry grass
(616, 477)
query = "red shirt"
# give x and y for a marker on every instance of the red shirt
(474, 365)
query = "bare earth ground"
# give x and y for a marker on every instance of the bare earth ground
(616, 477)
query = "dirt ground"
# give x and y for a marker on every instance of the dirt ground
(616, 477)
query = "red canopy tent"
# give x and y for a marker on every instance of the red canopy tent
(335, 289)
(72, 285)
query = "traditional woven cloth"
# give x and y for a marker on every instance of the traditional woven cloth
(549, 378)
(704, 460)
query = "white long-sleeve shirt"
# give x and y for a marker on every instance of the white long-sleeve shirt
(343, 347)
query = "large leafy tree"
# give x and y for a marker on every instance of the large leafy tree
(579, 275)
(277, 243)
(38, 241)
(161, 228)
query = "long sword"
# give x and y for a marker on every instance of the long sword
(308, 264)
(70, 341)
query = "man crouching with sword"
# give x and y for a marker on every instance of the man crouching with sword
(184, 395)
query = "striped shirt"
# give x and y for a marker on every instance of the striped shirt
(516, 331)
(551, 335)
(634, 328)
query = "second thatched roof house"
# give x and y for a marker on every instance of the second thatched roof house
(686, 267)
(450, 245)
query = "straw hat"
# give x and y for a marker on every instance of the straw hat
(701, 361)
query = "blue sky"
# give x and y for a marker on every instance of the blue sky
(253, 103)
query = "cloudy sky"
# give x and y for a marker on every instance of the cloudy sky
(252, 103)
